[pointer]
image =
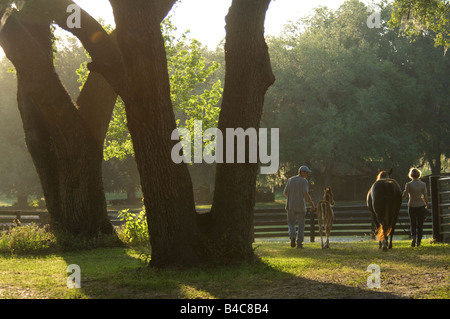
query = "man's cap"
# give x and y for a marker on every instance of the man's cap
(304, 168)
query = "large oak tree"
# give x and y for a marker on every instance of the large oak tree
(65, 137)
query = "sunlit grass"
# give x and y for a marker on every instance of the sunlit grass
(282, 272)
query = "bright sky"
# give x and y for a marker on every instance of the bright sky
(206, 18)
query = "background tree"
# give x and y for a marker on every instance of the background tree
(18, 176)
(429, 68)
(341, 105)
(417, 17)
(419, 29)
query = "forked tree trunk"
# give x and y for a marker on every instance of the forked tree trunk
(70, 166)
(70, 173)
(64, 145)
(166, 186)
(248, 76)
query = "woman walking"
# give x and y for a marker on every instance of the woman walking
(417, 205)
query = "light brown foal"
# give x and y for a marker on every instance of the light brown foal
(325, 215)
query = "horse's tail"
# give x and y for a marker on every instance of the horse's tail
(389, 217)
(382, 234)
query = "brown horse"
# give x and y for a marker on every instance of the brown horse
(384, 200)
(325, 215)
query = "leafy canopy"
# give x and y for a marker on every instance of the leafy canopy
(416, 17)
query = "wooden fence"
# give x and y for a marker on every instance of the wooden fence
(440, 197)
(348, 221)
(10, 218)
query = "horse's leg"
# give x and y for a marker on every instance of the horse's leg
(392, 235)
(328, 232)
(385, 244)
(319, 220)
(377, 226)
(385, 241)
(320, 232)
(327, 245)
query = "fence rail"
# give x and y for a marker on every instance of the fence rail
(271, 222)
(11, 218)
(348, 221)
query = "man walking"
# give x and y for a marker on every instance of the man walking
(296, 191)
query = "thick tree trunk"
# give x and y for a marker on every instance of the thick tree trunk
(248, 76)
(70, 174)
(42, 151)
(166, 186)
(64, 146)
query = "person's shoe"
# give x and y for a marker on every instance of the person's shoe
(300, 246)
(418, 243)
(292, 242)
(413, 243)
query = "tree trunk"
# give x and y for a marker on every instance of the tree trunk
(166, 186)
(42, 151)
(248, 76)
(64, 146)
(22, 201)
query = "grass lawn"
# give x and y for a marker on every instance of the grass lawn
(282, 273)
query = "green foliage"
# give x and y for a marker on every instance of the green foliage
(340, 105)
(26, 239)
(418, 17)
(188, 73)
(32, 239)
(118, 142)
(135, 228)
(349, 99)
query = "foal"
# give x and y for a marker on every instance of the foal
(325, 215)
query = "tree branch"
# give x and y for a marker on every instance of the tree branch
(29, 48)
(95, 104)
(156, 8)
(105, 54)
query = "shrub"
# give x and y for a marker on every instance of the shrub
(135, 228)
(26, 239)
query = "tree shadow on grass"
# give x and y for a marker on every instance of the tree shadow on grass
(263, 281)
(280, 273)
(428, 255)
(116, 273)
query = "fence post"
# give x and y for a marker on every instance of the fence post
(17, 221)
(312, 225)
(435, 210)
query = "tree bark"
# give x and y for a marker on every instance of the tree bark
(248, 76)
(65, 148)
(166, 186)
